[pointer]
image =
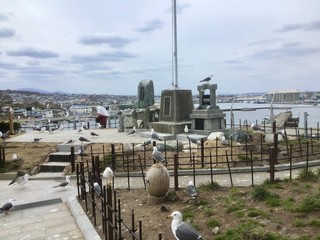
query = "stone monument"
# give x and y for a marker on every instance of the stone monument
(145, 94)
(208, 116)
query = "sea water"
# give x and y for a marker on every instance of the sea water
(298, 110)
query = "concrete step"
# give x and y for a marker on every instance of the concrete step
(60, 157)
(53, 166)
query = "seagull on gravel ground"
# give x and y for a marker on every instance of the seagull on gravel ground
(191, 190)
(63, 184)
(181, 230)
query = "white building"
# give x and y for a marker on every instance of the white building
(78, 110)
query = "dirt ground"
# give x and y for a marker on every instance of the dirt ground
(225, 208)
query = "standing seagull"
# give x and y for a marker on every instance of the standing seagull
(7, 206)
(132, 131)
(191, 190)
(21, 178)
(156, 155)
(207, 79)
(186, 129)
(155, 135)
(256, 127)
(147, 142)
(194, 140)
(181, 230)
(108, 175)
(63, 184)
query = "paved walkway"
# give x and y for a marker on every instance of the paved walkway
(43, 212)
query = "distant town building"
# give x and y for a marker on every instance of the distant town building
(79, 110)
(293, 96)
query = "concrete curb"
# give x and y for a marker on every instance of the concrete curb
(84, 224)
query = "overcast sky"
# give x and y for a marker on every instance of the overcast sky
(109, 46)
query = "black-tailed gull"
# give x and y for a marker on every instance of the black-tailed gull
(108, 175)
(83, 139)
(7, 206)
(207, 79)
(93, 134)
(20, 179)
(155, 135)
(147, 142)
(63, 184)
(97, 188)
(191, 190)
(156, 155)
(132, 131)
(256, 127)
(194, 140)
(181, 230)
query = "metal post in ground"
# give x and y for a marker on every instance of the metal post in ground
(271, 164)
(175, 170)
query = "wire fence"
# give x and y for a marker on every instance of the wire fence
(133, 161)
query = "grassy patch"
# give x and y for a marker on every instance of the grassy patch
(307, 175)
(310, 203)
(208, 186)
(249, 231)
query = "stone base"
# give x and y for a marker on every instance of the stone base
(155, 200)
(170, 127)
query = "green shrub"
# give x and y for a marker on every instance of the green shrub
(307, 175)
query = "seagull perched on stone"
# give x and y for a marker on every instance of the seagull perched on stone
(20, 179)
(181, 230)
(147, 142)
(256, 127)
(155, 135)
(207, 79)
(156, 155)
(108, 176)
(63, 184)
(7, 206)
(194, 140)
(132, 131)
(186, 129)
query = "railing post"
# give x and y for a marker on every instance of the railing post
(72, 159)
(271, 164)
(175, 167)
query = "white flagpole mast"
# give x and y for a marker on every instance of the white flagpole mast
(175, 51)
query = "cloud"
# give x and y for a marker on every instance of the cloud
(267, 41)
(151, 26)
(33, 53)
(114, 56)
(286, 50)
(181, 7)
(313, 26)
(6, 32)
(3, 17)
(112, 40)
